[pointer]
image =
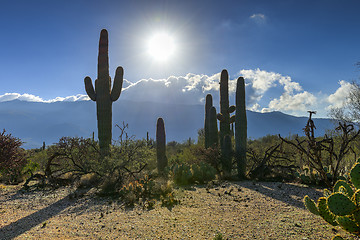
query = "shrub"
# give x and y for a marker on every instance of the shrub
(12, 157)
(184, 174)
(181, 174)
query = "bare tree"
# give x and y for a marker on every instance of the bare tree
(320, 152)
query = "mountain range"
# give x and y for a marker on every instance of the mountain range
(38, 122)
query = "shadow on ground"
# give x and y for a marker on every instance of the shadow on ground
(288, 193)
(24, 224)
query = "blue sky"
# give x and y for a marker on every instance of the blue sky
(295, 55)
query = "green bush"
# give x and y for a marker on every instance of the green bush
(184, 174)
(203, 172)
(12, 158)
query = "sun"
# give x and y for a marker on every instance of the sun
(161, 46)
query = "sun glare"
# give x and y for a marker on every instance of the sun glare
(161, 46)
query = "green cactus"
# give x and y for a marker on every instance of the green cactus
(240, 128)
(225, 120)
(227, 156)
(208, 105)
(356, 197)
(342, 206)
(213, 128)
(103, 95)
(355, 175)
(341, 183)
(325, 213)
(349, 224)
(225, 109)
(310, 205)
(162, 161)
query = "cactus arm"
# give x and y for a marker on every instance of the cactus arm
(310, 205)
(325, 212)
(355, 175)
(90, 88)
(341, 183)
(118, 82)
(231, 109)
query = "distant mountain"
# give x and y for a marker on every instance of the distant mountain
(34, 122)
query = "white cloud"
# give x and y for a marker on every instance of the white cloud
(259, 18)
(292, 100)
(189, 89)
(338, 99)
(292, 103)
(261, 80)
(32, 98)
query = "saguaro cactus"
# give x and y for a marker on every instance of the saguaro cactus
(213, 128)
(208, 105)
(103, 95)
(225, 110)
(224, 118)
(161, 145)
(240, 127)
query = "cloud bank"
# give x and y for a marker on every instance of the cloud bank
(32, 98)
(265, 91)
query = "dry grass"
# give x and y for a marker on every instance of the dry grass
(240, 210)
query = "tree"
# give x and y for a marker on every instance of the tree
(350, 112)
(12, 157)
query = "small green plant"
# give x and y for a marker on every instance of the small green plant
(168, 200)
(342, 205)
(219, 236)
(184, 174)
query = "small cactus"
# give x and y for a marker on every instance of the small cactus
(162, 161)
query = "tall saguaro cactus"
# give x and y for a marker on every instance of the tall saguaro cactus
(225, 119)
(208, 105)
(240, 128)
(161, 146)
(103, 95)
